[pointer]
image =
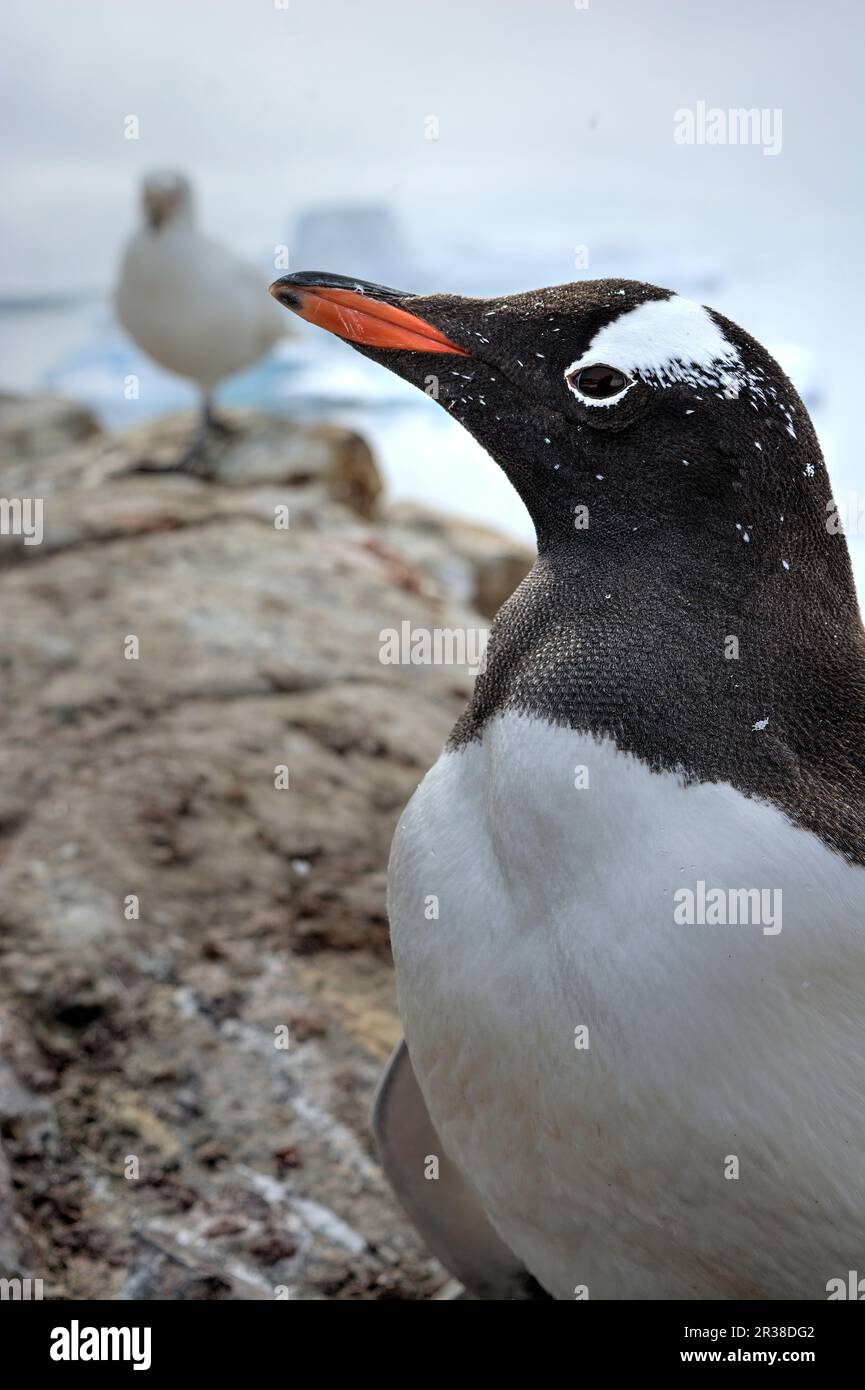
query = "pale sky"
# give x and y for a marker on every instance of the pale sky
(555, 123)
(555, 130)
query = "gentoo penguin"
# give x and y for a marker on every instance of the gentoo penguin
(636, 1016)
(165, 300)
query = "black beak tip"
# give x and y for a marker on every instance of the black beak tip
(283, 292)
(286, 288)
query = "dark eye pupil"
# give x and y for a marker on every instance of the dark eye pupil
(600, 381)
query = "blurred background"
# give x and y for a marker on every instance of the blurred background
(196, 998)
(308, 125)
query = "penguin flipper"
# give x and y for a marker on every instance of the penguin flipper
(447, 1213)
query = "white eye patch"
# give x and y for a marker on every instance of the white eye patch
(665, 341)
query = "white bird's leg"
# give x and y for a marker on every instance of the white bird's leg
(212, 420)
(199, 441)
(194, 458)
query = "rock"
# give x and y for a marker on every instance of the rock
(271, 458)
(18, 1107)
(287, 1157)
(11, 1256)
(473, 562)
(212, 1153)
(271, 1249)
(225, 1226)
(305, 1026)
(172, 907)
(259, 449)
(34, 427)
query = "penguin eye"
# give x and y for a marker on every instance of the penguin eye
(597, 383)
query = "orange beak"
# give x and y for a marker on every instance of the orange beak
(357, 316)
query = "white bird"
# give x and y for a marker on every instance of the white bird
(192, 305)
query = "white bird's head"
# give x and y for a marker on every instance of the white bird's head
(166, 197)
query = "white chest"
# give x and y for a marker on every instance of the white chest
(647, 1108)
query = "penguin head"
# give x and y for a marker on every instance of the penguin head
(166, 197)
(617, 409)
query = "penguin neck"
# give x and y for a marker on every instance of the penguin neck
(705, 661)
